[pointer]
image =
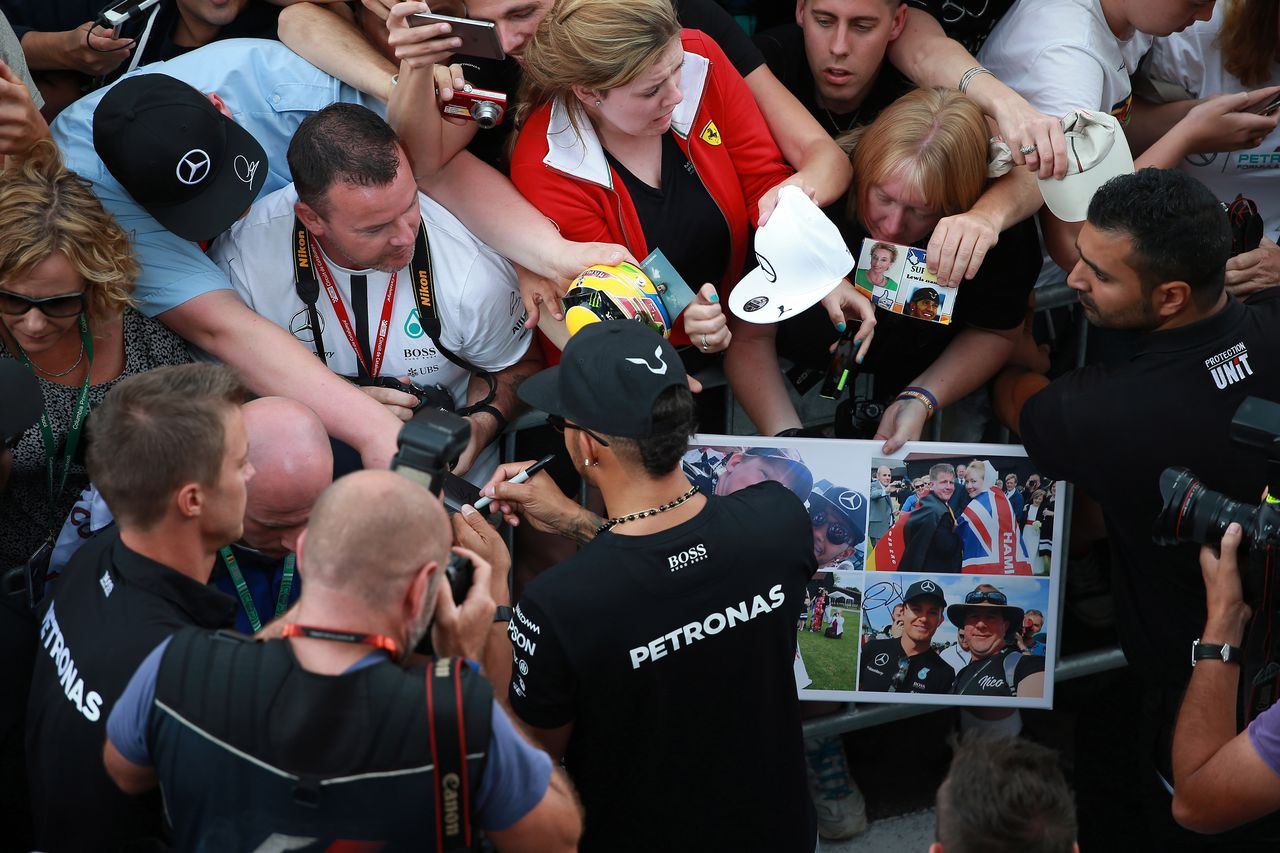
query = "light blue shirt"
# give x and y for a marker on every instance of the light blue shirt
(269, 90)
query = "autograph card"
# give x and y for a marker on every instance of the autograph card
(897, 278)
(672, 289)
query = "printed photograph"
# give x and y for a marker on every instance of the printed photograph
(897, 278)
(960, 514)
(955, 635)
(935, 580)
(823, 475)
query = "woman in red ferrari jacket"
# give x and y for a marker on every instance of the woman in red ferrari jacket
(642, 134)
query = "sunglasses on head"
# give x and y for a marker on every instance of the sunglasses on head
(992, 596)
(837, 532)
(66, 305)
(559, 424)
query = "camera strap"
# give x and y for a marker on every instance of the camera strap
(307, 261)
(448, 732)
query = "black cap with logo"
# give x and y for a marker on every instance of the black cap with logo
(925, 589)
(192, 168)
(608, 379)
(851, 505)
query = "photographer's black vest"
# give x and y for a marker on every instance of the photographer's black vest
(249, 746)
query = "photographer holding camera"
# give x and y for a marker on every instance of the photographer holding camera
(333, 746)
(1223, 779)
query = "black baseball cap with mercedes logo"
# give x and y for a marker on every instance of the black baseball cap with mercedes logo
(192, 168)
(608, 379)
(925, 589)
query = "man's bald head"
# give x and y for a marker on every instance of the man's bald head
(289, 449)
(370, 533)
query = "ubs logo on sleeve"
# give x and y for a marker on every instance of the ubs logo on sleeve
(1229, 367)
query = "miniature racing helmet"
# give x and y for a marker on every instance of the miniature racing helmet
(621, 292)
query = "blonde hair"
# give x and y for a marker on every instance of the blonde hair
(977, 466)
(888, 247)
(934, 138)
(45, 209)
(1248, 40)
(596, 44)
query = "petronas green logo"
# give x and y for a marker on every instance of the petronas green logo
(413, 325)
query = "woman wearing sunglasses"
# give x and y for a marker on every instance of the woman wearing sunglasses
(66, 272)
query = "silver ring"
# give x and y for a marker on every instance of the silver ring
(1029, 148)
(705, 346)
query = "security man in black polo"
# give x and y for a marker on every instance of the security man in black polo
(909, 664)
(124, 592)
(1152, 258)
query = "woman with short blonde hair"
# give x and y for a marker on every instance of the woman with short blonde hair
(927, 156)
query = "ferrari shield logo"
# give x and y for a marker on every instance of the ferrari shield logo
(710, 134)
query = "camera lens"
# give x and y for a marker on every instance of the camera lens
(1193, 513)
(487, 114)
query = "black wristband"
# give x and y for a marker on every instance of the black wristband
(491, 411)
(503, 613)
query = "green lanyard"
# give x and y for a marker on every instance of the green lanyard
(242, 588)
(77, 423)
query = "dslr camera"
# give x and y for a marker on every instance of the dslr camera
(430, 396)
(1194, 513)
(427, 447)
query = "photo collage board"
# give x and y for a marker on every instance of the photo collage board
(938, 569)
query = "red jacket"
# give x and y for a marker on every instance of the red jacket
(717, 125)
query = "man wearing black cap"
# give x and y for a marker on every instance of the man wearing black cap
(838, 519)
(909, 664)
(658, 661)
(997, 667)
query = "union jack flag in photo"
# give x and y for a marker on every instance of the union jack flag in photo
(992, 543)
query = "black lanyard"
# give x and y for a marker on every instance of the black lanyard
(242, 588)
(73, 432)
(307, 285)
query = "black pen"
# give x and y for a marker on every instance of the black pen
(521, 477)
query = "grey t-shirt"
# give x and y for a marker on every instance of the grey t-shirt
(11, 54)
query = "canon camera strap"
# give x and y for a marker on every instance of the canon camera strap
(307, 285)
(449, 754)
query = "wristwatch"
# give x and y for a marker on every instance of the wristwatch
(504, 613)
(1211, 651)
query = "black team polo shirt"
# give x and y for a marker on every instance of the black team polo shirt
(112, 607)
(1111, 430)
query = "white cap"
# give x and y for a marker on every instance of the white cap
(802, 258)
(1096, 152)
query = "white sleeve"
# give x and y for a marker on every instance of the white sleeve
(1063, 78)
(486, 325)
(1178, 59)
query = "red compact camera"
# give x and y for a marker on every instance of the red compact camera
(482, 106)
